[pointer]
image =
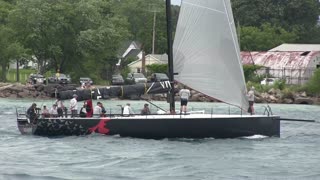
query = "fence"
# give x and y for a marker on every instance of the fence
(297, 76)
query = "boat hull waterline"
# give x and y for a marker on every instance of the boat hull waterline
(157, 127)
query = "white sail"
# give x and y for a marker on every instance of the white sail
(206, 53)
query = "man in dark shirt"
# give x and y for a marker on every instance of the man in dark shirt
(145, 109)
(32, 113)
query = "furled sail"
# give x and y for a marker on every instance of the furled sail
(116, 91)
(206, 54)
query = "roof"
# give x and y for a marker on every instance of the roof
(161, 57)
(276, 60)
(133, 53)
(126, 44)
(297, 47)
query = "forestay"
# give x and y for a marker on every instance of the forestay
(206, 51)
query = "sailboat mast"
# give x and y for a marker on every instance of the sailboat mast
(170, 55)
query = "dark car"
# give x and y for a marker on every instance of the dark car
(85, 80)
(117, 80)
(156, 77)
(61, 79)
(37, 79)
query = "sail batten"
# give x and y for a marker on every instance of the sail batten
(206, 51)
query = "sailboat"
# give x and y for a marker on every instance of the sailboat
(205, 56)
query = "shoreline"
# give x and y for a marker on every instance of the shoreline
(40, 91)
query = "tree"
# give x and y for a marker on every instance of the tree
(10, 49)
(264, 38)
(72, 36)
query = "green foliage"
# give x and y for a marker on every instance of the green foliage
(250, 73)
(313, 86)
(157, 68)
(279, 84)
(77, 37)
(264, 38)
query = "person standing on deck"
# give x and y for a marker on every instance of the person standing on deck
(89, 108)
(74, 106)
(251, 100)
(61, 107)
(184, 97)
(32, 113)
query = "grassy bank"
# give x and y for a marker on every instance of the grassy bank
(23, 74)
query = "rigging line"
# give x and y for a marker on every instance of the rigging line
(203, 7)
(153, 104)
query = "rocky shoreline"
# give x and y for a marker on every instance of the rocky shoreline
(18, 90)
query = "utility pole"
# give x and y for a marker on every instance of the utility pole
(153, 8)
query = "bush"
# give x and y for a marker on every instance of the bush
(313, 86)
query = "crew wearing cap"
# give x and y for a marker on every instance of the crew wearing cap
(74, 106)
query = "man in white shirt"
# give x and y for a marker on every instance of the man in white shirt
(74, 106)
(97, 111)
(184, 97)
(127, 110)
(54, 111)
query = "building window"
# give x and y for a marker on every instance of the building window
(305, 53)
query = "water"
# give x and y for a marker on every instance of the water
(293, 156)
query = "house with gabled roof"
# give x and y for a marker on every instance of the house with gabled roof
(129, 49)
(293, 62)
(136, 66)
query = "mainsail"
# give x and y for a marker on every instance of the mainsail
(206, 52)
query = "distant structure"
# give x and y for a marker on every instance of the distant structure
(293, 62)
(150, 59)
(129, 49)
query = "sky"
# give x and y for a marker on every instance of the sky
(176, 2)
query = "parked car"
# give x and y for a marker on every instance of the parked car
(156, 77)
(133, 78)
(84, 80)
(62, 79)
(117, 79)
(37, 79)
(268, 81)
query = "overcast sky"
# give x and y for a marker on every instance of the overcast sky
(176, 2)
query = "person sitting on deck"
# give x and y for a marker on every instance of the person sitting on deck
(54, 111)
(103, 111)
(83, 111)
(45, 112)
(127, 110)
(145, 110)
(97, 112)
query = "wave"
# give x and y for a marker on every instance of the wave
(25, 176)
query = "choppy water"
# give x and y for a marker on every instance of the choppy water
(293, 156)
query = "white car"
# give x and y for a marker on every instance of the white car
(268, 81)
(136, 78)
